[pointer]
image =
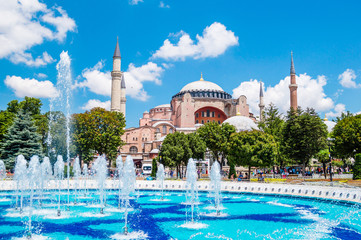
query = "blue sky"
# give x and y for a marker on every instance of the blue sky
(167, 44)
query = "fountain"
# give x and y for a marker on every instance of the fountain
(215, 187)
(119, 163)
(59, 175)
(64, 84)
(21, 179)
(33, 178)
(85, 177)
(77, 173)
(160, 178)
(46, 173)
(192, 196)
(101, 171)
(128, 179)
(2, 170)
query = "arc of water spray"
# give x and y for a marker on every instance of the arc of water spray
(64, 84)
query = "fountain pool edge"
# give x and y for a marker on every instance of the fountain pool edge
(352, 195)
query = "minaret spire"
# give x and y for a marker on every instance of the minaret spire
(261, 102)
(293, 86)
(117, 93)
(292, 65)
(117, 51)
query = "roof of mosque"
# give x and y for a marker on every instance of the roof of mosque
(163, 106)
(201, 85)
(242, 123)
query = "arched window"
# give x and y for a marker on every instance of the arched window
(164, 129)
(133, 149)
(171, 130)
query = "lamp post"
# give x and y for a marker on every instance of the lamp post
(329, 140)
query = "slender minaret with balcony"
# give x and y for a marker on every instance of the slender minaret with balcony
(261, 103)
(123, 99)
(117, 98)
(293, 86)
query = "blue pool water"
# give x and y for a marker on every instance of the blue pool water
(245, 216)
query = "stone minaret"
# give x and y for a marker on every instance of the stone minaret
(261, 103)
(293, 86)
(116, 81)
(122, 98)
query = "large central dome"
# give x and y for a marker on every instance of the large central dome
(201, 85)
(203, 89)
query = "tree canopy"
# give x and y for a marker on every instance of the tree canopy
(347, 136)
(216, 138)
(303, 136)
(99, 131)
(175, 150)
(252, 148)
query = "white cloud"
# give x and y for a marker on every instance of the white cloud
(215, 41)
(92, 103)
(100, 82)
(27, 23)
(163, 5)
(310, 94)
(41, 75)
(97, 81)
(347, 79)
(28, 59)
(338, 110)
(31, 87)
(135, 2)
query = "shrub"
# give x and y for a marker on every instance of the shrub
(232, 171)
(357, 167)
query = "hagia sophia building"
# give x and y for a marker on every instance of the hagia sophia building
(197, 103)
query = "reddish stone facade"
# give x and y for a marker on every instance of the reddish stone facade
(209, 114)
(197, 103)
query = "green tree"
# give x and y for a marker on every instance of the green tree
(154, 168)
(197, 145)
(99, 131)
(357, 167)
(232, 171)
(253, 149)
(29, 105)
(6, 120)
(303, 136)
(323, 157)
(347, 136)
(21, 138)
(273, 124)
(216, 138)
(175, 151)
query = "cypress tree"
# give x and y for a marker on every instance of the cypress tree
(357, 167)
(154, 168)
(21, 138)
(232, 171)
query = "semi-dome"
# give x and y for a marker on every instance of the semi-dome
(242, 123)
(330, 125)
(163, 106)
(201, 86)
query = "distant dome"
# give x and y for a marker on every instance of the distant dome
(330, 125)
(155, 150)
(242, 123)
(201, 85)
(163, 106)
